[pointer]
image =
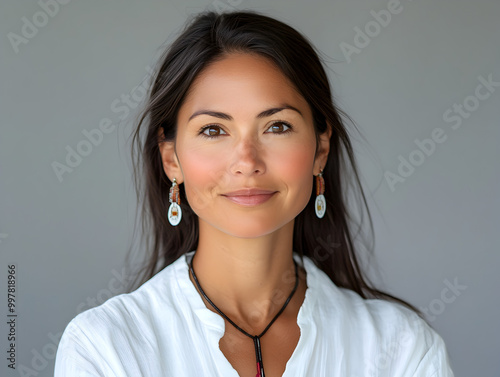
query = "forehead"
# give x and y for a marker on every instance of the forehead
(244, 83)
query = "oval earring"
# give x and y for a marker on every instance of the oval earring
(174, 211)
(320, 204)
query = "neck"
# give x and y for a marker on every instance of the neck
(247, 279)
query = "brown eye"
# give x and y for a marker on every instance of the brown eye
(212, 131)
(279, 127)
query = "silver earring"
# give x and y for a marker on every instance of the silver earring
(320, 204)
(174, 211)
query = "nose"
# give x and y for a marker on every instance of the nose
(248, 157)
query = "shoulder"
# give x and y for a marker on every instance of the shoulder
(120, 326)
(377, 316)
(134, 309)
(384, 334)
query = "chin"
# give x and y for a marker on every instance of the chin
(251, 229)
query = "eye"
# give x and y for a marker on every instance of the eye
(280, 127)
(212, 131)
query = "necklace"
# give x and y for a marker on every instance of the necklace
(255, 338)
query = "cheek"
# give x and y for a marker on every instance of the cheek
(296, 171)
(296, 165)
(202, 172)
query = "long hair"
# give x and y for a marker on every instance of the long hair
(208, 37)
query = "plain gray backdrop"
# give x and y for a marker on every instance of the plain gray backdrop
(422, 87)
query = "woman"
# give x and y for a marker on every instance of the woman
(253, 269)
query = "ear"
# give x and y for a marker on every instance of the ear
(169, 159)
(323, 150)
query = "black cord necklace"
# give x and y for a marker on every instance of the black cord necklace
(255, 338)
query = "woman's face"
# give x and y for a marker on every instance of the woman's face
(245, 147)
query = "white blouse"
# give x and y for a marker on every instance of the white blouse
(164, 329)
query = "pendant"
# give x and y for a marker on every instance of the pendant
(174, 214)
(258, 356)
(320, 206)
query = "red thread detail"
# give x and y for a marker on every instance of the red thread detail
(320, 185)
(174, 194)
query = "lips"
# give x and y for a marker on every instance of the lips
(250, 196)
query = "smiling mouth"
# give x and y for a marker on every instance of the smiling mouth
(249, 197)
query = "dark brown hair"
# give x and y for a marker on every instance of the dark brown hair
(208, 37)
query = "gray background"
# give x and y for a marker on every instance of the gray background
(68, 237)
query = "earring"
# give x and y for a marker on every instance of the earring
(174, 211)
(320, 204)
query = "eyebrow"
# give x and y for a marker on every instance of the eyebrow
(263, 114)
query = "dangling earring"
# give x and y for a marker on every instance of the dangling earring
(320, 204)
(174, 211)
